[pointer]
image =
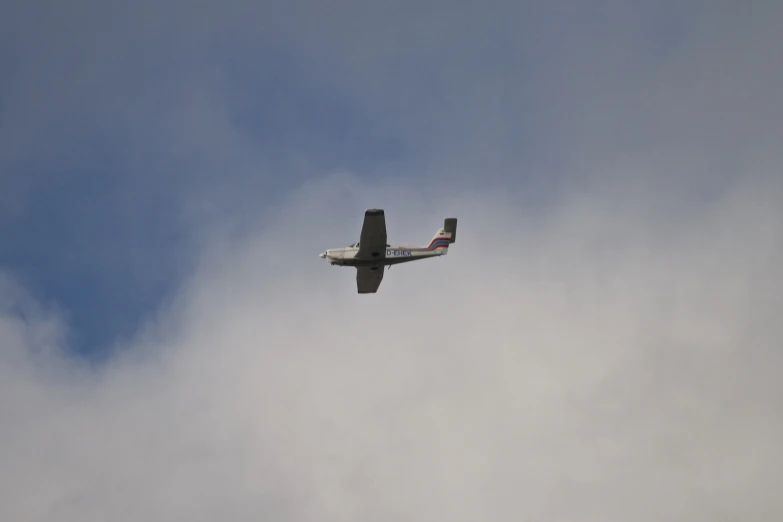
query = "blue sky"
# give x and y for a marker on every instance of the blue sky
(170, 170)
(127, 131)
(104, 195)
(123, 139)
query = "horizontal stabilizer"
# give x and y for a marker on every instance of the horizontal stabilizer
(450, 226)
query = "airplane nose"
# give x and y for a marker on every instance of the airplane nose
(322, 255)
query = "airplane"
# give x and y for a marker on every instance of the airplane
(372, 253)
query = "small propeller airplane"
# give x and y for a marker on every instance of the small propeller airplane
(372, 253)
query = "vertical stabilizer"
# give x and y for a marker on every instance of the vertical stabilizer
(445, 236)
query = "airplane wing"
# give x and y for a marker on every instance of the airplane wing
(372, 242)
(368, 279)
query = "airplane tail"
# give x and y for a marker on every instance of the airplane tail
(445, 236)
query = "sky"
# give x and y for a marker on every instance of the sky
(601, 343)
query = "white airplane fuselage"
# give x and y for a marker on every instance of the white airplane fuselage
(393, 255)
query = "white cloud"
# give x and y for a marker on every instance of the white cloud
(584, 367)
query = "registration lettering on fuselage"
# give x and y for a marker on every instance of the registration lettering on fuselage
(393, 253)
